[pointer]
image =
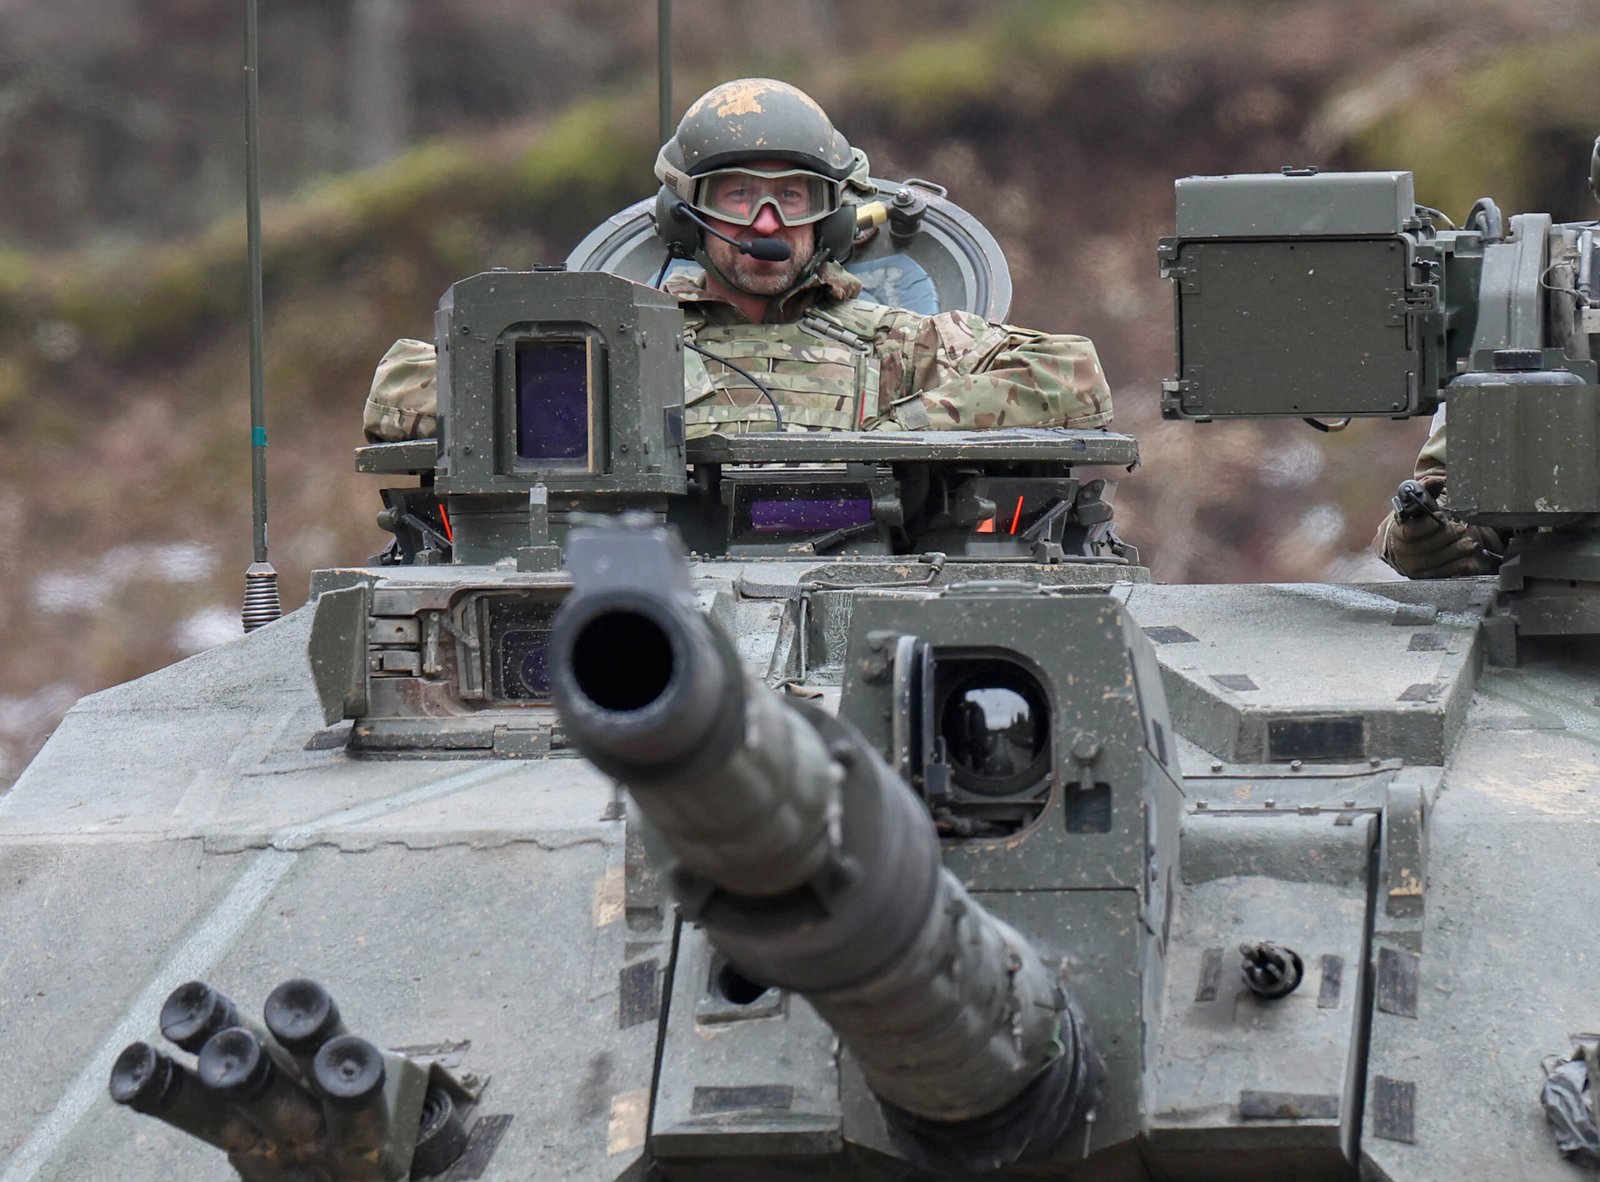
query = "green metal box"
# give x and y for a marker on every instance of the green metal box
(1300, 296)
(1524, 447)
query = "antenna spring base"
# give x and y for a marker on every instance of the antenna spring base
(261, 603)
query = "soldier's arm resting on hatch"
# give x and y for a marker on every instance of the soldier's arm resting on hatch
(957, 371)
(404, 400)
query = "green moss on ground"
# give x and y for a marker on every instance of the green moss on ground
(1024, 45)
(430, 200)
(15, 271)
(445, 201)
(1486, 128)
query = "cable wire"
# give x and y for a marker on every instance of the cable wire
(747, 376)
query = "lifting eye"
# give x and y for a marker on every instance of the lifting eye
(995, 723)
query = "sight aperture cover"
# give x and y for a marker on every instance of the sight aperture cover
(553, 403)
(519, 641)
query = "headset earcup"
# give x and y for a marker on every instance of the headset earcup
(837, 233)
(681, 235)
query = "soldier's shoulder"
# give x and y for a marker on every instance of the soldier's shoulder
(688, 284)
(404, 400)
(863, 317)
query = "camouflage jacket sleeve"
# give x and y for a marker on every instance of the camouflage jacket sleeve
(959, 371)
(404, 401)
(1430, 461)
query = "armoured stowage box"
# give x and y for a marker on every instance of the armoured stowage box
(1298, 291)
(841, 806)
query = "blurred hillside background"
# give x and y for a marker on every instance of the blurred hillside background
(407, 144)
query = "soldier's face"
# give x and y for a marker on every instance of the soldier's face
(756, 276)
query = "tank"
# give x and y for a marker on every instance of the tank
(853, 806)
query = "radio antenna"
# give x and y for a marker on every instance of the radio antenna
(664, 68)
(261, 603)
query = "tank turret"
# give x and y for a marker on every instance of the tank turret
(442, 646)
(813, 867)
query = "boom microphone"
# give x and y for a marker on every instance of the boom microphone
(767, 250)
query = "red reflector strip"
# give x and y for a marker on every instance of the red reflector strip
(1017, 516)
(986, 526)
(450, 535)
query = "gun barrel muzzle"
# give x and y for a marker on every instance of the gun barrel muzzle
(644, 681)
(741, 788)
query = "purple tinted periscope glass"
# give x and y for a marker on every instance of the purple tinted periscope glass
(552, 401)
(786, 516)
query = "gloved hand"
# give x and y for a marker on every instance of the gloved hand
(1425, 547)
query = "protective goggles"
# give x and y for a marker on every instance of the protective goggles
(736, 195)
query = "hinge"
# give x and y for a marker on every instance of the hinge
(1182, 397)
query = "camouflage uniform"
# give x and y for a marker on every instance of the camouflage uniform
(1430, 460)
(843, 364)
(838, 363)
(404, 402)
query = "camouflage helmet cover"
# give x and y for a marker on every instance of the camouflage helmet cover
(752, 119)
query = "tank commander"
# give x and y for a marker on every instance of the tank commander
(754, 188)
(1428, 547)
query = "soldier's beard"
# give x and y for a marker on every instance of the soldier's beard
(756, 277)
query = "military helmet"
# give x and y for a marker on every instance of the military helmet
(744, 120)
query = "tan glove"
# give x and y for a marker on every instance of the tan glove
(1424, 547)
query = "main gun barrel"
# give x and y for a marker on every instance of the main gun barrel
(740, 788)
(812, 866)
